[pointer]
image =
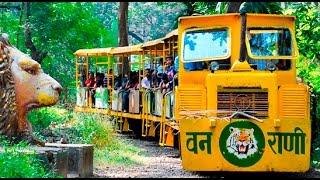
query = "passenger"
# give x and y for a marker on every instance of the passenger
(125, 85)
(132, 84)
(176, 63)
(145, 82)
(117, 82)
(83, 78)
(163, 86)
(299, 80)
(258, 47)
(176, 68)
(154, 79)
(90, 83)
(108, 77)
(124, 80)
(99, 81)
(159, 68)
(170, 72)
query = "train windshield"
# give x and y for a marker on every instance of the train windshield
(206, 44)
(270, 42)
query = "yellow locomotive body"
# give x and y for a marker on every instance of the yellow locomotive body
(237, 106)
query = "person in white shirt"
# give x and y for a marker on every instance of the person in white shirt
(145, 82)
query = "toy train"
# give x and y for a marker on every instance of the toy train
(234, 103)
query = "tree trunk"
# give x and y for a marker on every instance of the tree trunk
(233, 7)
(123, 34)
(37, 55)
(18, 30)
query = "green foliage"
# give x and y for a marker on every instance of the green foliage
(76, 127)
(85, 128)
(29, 165)
(60, 28)
(151, 21)
(307, 32)
(10, 21)
(315, 152)
(261, 7)
(75, 27)
(43, 117)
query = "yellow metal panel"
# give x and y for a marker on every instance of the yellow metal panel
(190, 98)
(292, 101)
(204, 148)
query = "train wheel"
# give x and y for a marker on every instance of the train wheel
(176, 139)
(136, 126)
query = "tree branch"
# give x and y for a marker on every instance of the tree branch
(132, 34)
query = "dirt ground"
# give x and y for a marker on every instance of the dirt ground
(164, 162)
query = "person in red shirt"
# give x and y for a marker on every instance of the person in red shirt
(90, 82)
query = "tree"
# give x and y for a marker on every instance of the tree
(123, 34)
(152, 20)
(307, 32)
(233, 7)
(36, 54)
(66, 28)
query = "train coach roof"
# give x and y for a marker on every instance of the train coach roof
(154, 43)
(127, 49)
(93, 52)
(171, 34)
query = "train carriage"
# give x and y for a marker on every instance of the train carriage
(237, 105)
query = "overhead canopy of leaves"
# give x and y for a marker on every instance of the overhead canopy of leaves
(307, 33)
(66, 28)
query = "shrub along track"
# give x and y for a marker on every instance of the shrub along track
(164, 162)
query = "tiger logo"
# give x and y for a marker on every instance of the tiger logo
(241, 142)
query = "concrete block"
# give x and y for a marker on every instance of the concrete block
(80, 158)
(57, 157)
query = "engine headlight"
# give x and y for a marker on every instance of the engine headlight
(214, 65)
(271, 66)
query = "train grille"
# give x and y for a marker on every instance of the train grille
(253, 103)
(293, 102)
(191, 99)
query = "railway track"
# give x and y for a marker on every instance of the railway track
(164, 162)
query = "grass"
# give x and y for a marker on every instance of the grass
(29, 164)
(96, 129)
(123, 154)
(86, 128)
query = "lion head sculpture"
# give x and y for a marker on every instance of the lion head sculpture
(23, 87)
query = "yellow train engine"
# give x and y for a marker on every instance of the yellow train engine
(224, 92)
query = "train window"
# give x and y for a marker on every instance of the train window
(206, 44)
(273, 44)
(270, 43)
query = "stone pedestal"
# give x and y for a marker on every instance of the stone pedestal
(57, 158)
(80, 158)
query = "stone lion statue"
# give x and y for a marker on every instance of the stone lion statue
(23, 87)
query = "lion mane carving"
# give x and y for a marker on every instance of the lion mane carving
(23, 87)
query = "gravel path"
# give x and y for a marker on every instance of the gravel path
(164, 162)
